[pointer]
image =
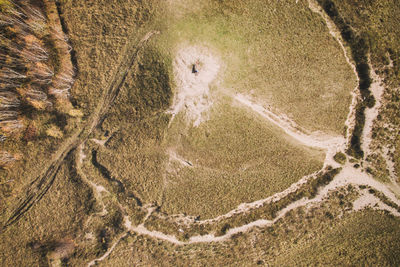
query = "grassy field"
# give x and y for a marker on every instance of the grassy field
(279, 52)
(261, 55)
(236, 158)
(301, 239)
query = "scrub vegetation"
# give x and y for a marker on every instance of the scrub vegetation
(233, 161)
(126, 157)
(278, 52)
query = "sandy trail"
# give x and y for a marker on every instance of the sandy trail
(173, 156)
(101, 142)
(367, 200)
(334, 31)
(193, 89)
(377, 90)
(105, 255)
(331, 144)
(193, 97)
(96, 189)
(348, 175)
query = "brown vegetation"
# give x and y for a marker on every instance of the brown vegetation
(36, 72)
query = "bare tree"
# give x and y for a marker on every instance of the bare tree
(36, 94)
(6, 159)
(60, 92)
(8, 115)
(7, 85)
(37, 98)
(8, 61)
(8, 100)
(11, 126)
(40, 73)
(11, 74)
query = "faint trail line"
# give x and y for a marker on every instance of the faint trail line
(96, 189)
(347, 176)
(371, 114)
(39, 186)
(105, 255)
(331, 144)
(350, 121)
(290, 128)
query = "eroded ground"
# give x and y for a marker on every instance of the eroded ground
(248, 161)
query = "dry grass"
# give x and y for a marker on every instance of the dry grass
(279, 52)
(282, 52)
(236, 158)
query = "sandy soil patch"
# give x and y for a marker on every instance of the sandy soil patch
(192, 94)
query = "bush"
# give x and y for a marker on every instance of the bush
(340, 158)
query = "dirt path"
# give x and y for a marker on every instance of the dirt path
(39, 186)
(97, 190)
(348, 175)
(108, 252)
(377, 90)
(334, 31)
(331, 144)
(367, 200)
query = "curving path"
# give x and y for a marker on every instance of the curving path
(40, 185)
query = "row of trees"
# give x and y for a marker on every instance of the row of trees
(32, 69)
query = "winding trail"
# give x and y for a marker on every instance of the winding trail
(347, 176)
(40, 185)
(377, 90)
(96, 189)
(332, 144)
(334, 31)
(108, 252)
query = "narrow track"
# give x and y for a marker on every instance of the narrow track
(41, 184)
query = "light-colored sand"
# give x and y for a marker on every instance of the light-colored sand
(331, 144)
(367, 200)
(334, 31)
(192, 94)
(377, 90)
(174, 157)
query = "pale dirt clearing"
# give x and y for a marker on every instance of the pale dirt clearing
(347, 176)
(377, 90)
(192, 94)
(367, 200)
(174, 157)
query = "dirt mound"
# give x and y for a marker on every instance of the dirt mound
(192, 92)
